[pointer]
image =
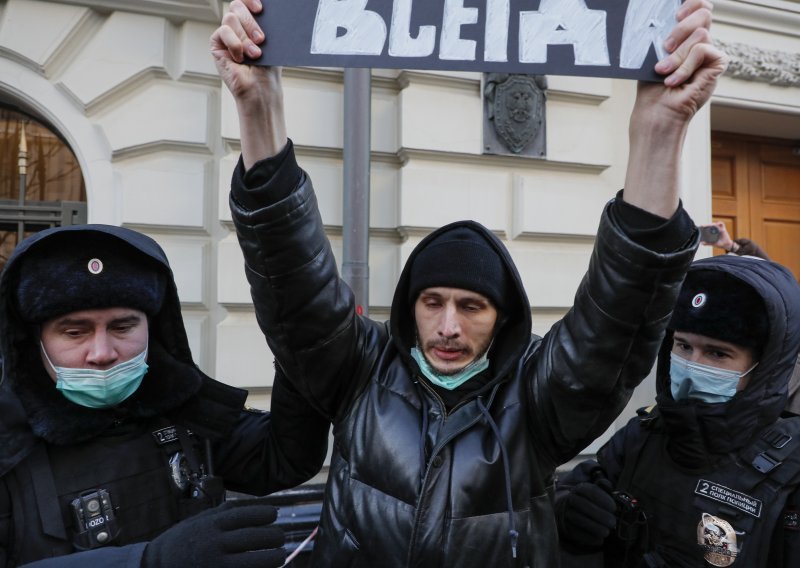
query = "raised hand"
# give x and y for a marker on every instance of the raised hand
(257, 90)
(690, 70)
(663, 110)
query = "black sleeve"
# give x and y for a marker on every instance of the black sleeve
(748, 247)
(269, 180)
(652, 231)
(267, 452)
(128, 556)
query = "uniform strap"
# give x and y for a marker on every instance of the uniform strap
(774, 456)
(647, 418)
(44, 489)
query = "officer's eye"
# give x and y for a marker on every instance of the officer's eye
(73, 332)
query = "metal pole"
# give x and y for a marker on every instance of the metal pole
(355, 218)
(23, 171)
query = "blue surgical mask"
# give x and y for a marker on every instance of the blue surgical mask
(95, 388)
(696, 381)
(450, 382)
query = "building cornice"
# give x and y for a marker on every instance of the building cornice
(209, 11)
(751, 63)
(772, 16)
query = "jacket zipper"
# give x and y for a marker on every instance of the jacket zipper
(415, 525)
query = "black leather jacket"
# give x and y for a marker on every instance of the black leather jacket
(412, 484)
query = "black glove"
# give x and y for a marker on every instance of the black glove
(237, 534)
(586, 515)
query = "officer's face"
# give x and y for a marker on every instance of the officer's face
(709, 351)
(94, 339)
(454, 327)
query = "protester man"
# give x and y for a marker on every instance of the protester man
(110, 436)
(708, 476)
(450, 419)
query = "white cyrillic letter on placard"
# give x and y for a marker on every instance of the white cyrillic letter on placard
(647, 22)
(564, 22)
(364, 30)
(498, 13)
(401, 44)
(452, 46)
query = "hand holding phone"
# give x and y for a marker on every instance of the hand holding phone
(709, 234)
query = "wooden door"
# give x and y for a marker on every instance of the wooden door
(756, 192)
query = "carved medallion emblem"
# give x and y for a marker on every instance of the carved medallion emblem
(518, 110)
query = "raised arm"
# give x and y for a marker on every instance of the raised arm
(662, 112)
(257, 90)
(607, 343)
(305, 310)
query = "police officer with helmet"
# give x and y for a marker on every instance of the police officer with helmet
(114, 447)
(709, 476)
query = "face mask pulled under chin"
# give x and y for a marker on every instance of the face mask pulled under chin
(94, 388)
(454, 381)
(695, 381)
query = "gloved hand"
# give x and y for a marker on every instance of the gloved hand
(586, 515)
(236, 534)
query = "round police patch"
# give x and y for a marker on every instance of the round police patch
(699, 300)
(95, 266)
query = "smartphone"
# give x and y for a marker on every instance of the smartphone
(709, 234)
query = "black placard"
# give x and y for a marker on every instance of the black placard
(594, 38)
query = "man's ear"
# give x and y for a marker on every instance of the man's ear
(33, 331)
(502, 319)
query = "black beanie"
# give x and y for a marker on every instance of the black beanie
(719, 305)
(461, 258)
(73, 271)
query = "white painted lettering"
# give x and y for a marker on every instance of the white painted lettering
(452, 46)
(347, 27)
(564, 22)
(647, 22)
(401, 44)
(498, 16)
(364, 30)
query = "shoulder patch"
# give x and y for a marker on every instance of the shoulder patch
(730, 497)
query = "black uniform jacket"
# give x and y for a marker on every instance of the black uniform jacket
(412, 484)
(254, 452)
(683, 460)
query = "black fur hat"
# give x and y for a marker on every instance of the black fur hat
(461, 258)
(719, 305)
(73, 271)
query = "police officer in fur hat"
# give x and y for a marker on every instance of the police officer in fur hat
(115, 449)
(708, 476)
